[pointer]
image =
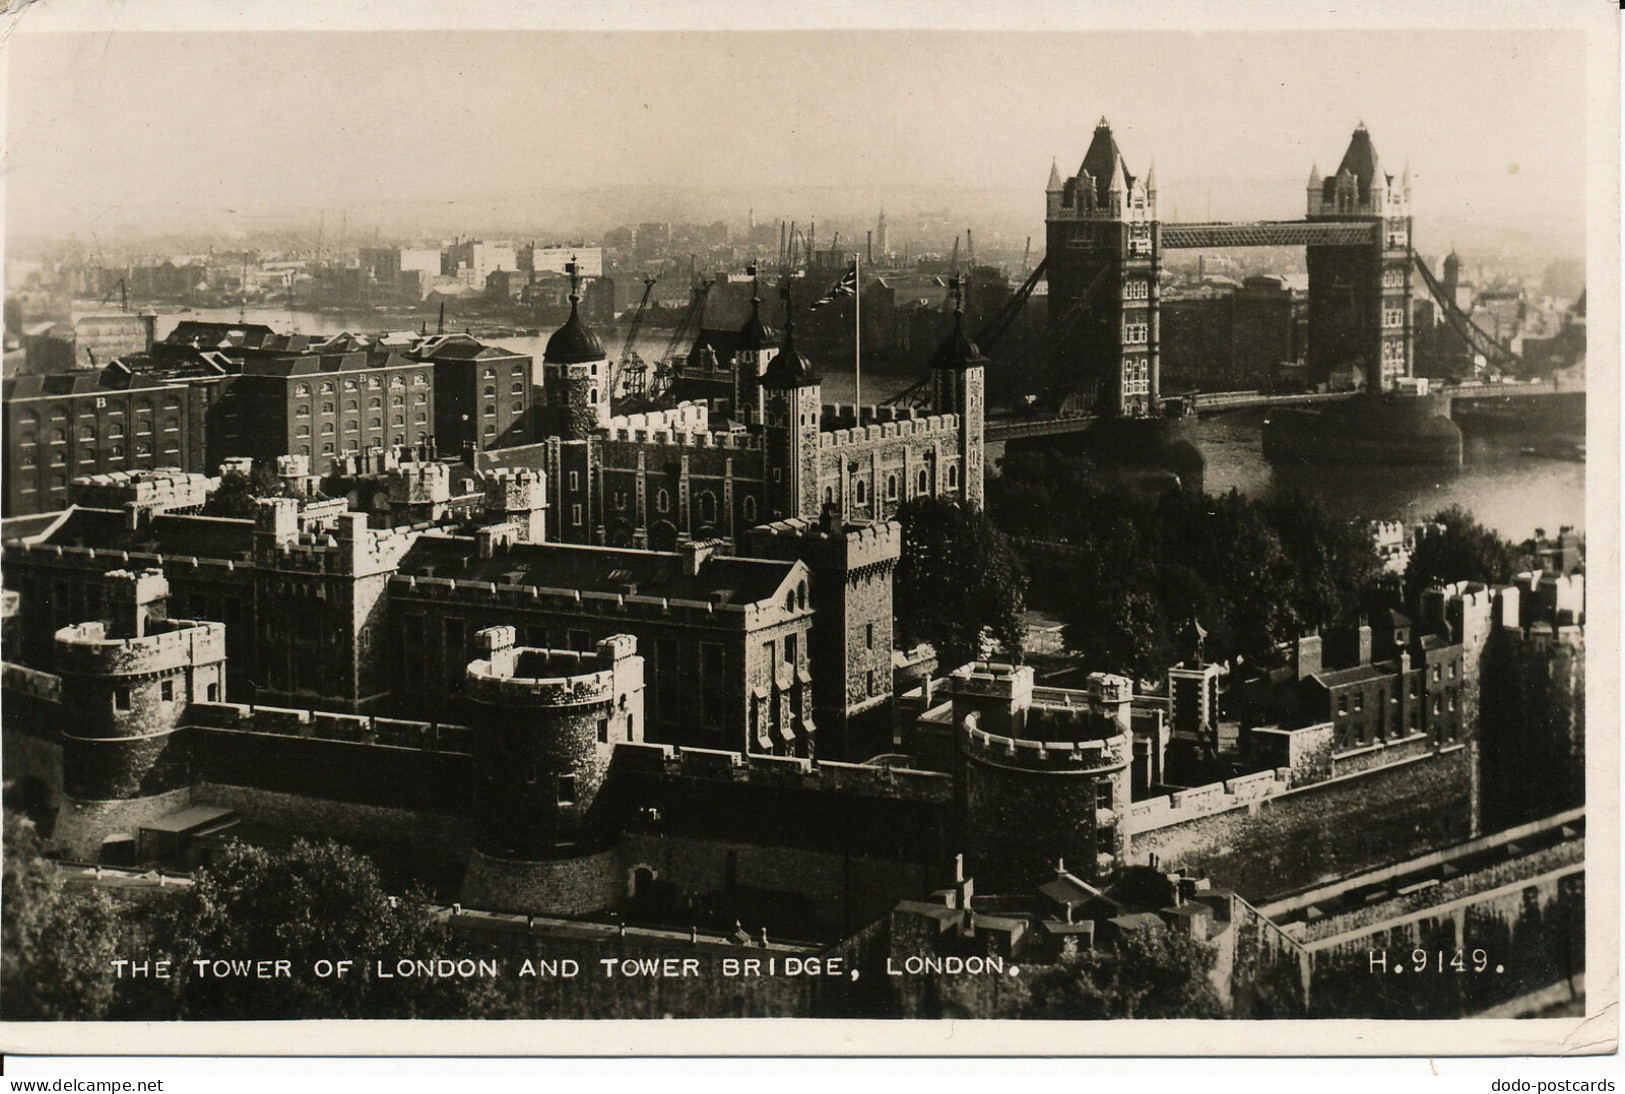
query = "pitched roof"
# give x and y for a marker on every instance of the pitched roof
(182, 535)
(1360, 161)
(1104, 163)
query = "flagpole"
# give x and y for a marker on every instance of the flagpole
(857, 337)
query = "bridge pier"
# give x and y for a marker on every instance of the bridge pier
(1155, 453)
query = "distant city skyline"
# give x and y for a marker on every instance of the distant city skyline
(115, 134)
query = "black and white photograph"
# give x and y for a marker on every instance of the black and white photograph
(906, 521)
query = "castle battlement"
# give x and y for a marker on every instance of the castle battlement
(358, 729)
(158, 490)
(847, 546)
(946, 424)
(1102, 755)
(86, 648)
(848, 415)
(522, 676)
(733, 440)
(1184, 805)
(685, 417)
(785, 771)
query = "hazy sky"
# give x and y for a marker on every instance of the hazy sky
(127, 129)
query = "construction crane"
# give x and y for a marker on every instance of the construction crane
(970, 249)
(1026, 256)
(687, 326)
(953, 259)
(631, 370)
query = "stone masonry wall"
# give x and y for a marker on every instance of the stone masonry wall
(1291, 840)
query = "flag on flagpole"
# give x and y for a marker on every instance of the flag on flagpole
(846, 286)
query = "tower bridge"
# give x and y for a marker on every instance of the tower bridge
(1105, 242)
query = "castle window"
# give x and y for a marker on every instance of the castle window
(921, 482)
(567, 787)
(603, 730)
(891, 487)
(869, 636)
(121, 698)
(829, 495)
(166, 691)
(778, 474)
(750, 508)
(953, 476)
(592, 395)
(790, 646)
(212, 692)
(801, 595)
(708, 506)
(575, 480)
(869, 681)
(662, 502)
(859, 491)
(575, 515)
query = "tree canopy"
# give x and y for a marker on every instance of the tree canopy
(958, 578)
(1154, 973)
(311, 902)
(57, 947)
(1461, 550)
(1254, 573)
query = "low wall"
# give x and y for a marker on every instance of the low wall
(569, 886)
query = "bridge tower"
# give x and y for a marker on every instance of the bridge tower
(1104, 256)
(1360, 297)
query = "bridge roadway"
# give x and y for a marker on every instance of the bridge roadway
(1220, 402)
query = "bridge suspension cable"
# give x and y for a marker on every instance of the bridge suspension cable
(1475, 336)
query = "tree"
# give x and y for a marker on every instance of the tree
(312, 902)
(57, 948)
(958, 577)
(1462, 550)
(1152, 973)
(238, 493)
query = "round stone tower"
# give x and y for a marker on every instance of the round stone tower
(126, 683)
(1041, 775)
(546, 724)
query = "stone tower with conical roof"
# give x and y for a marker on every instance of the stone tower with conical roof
(1103, 261)
(757, 343)
(575, 373)
(1360, 290)
(958, 387)
(792, 400)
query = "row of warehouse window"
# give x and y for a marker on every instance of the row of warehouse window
(374, 382)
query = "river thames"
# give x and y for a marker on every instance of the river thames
(1504, 484)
